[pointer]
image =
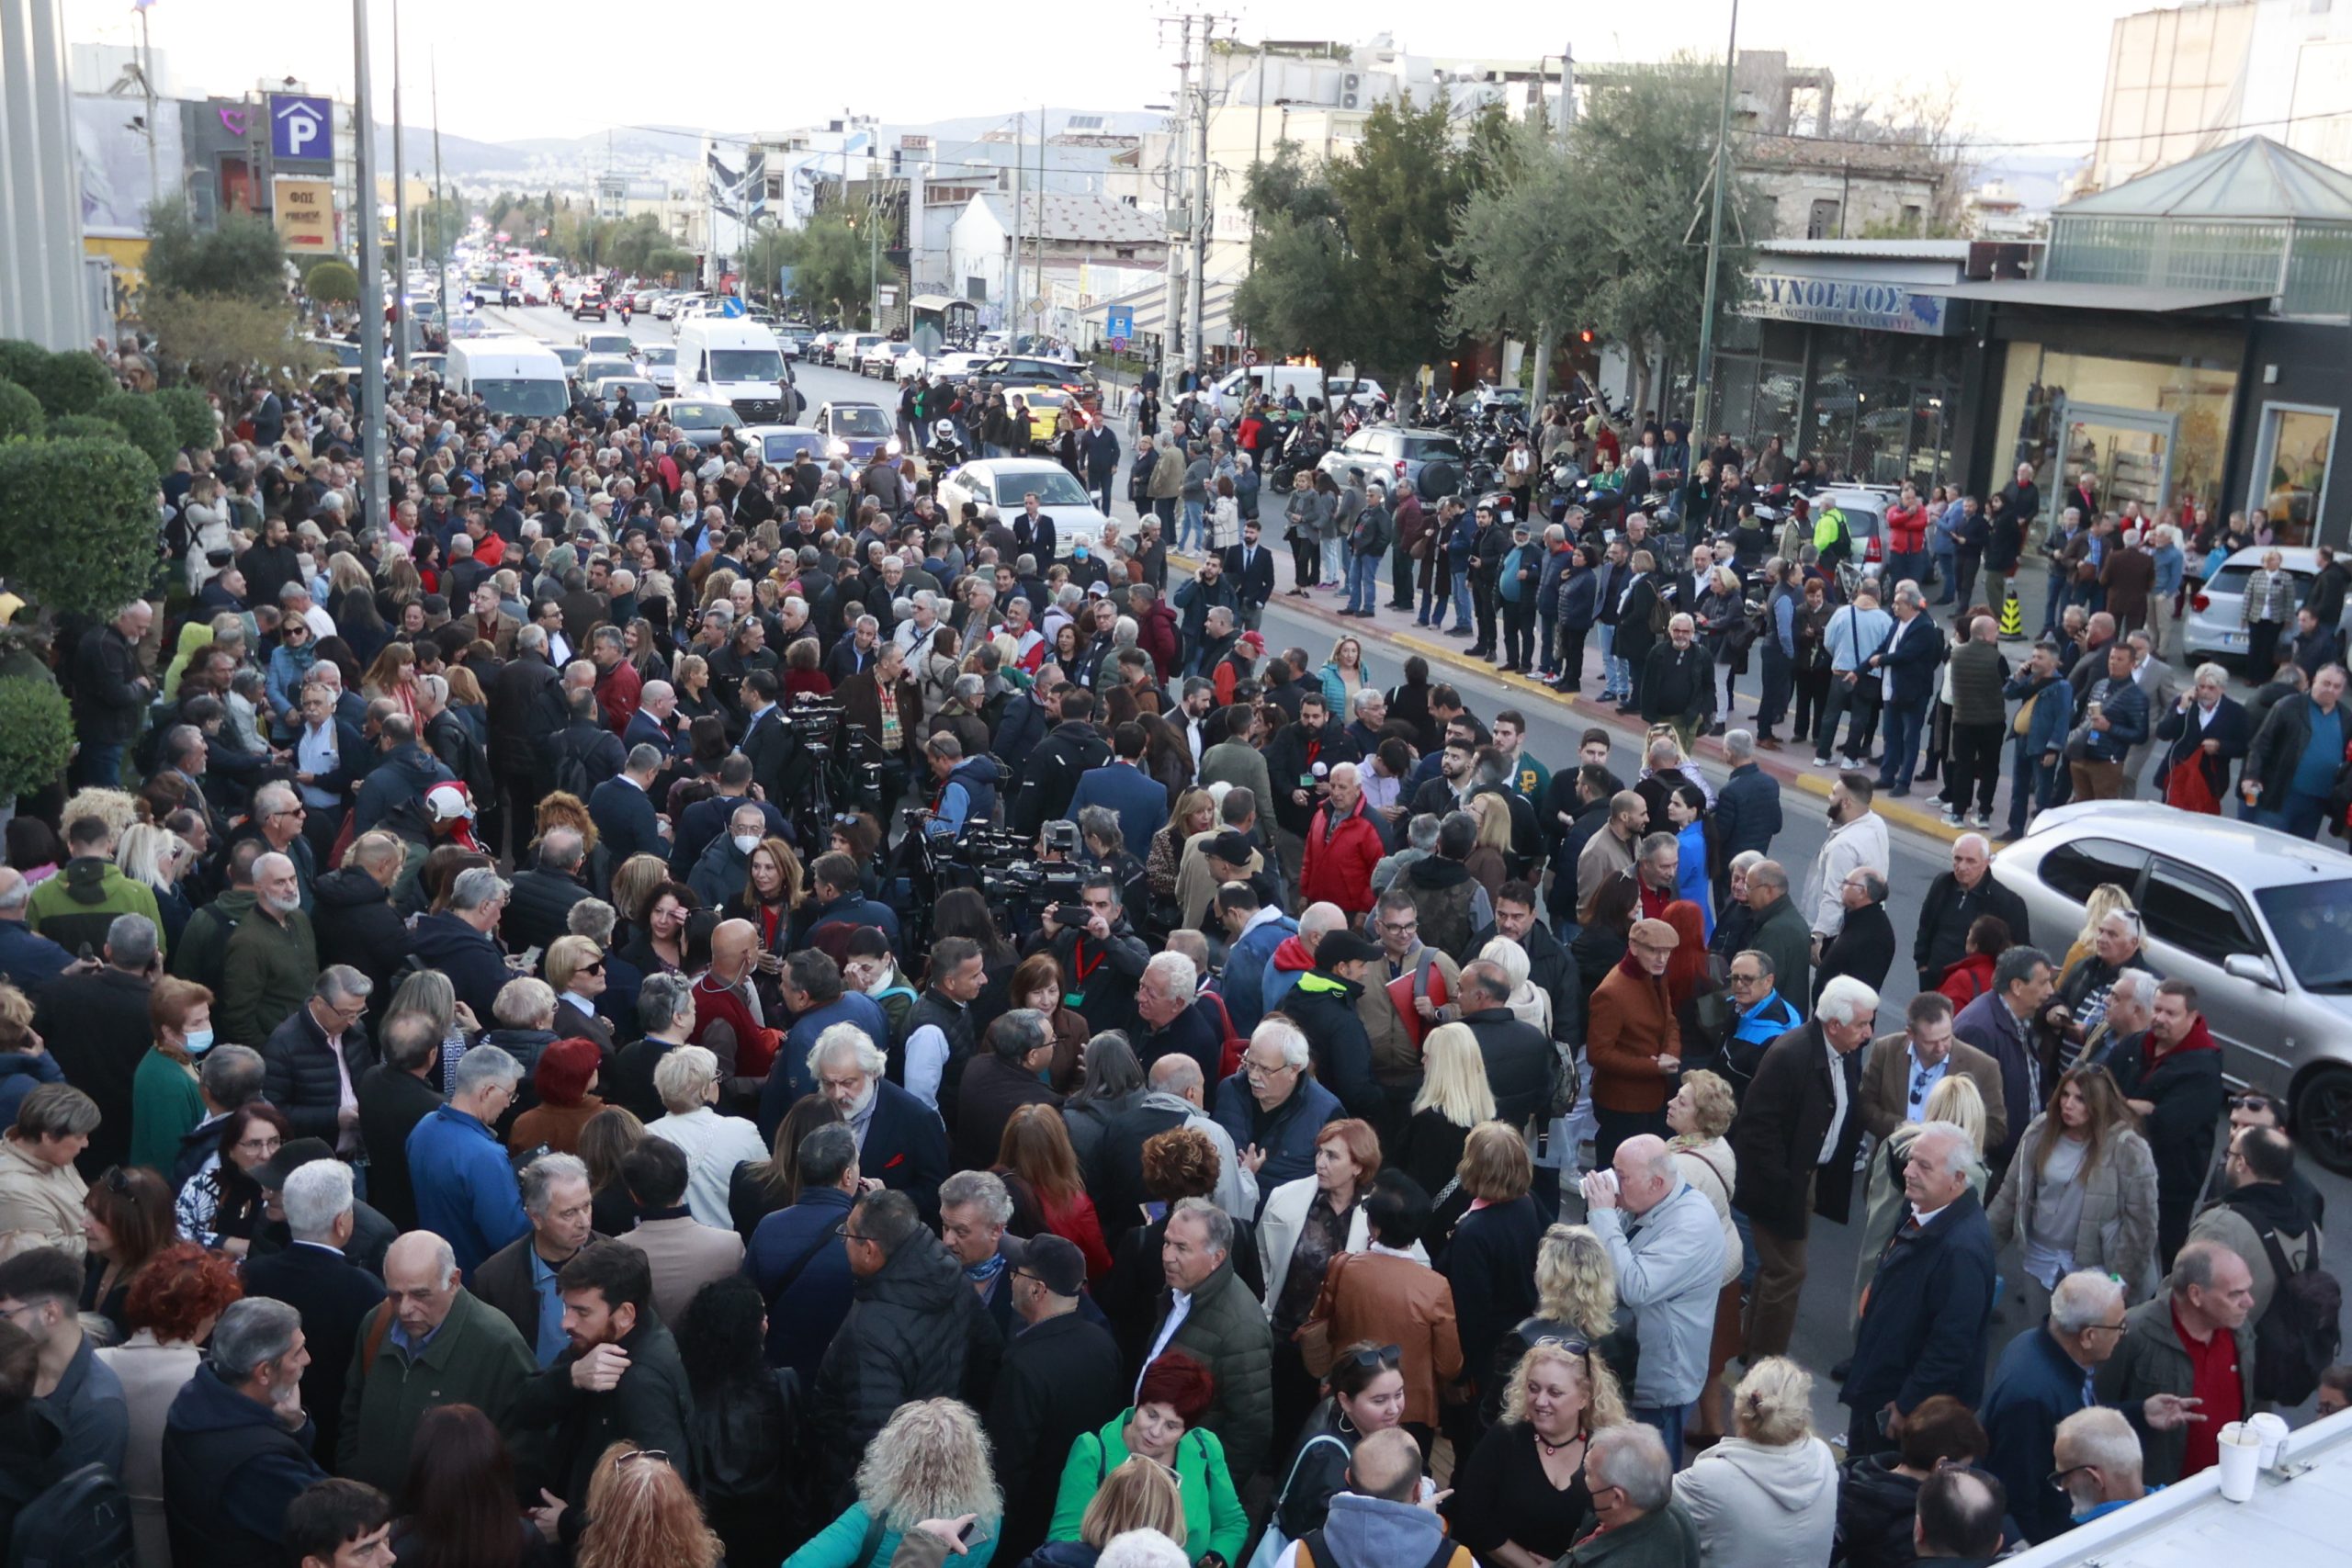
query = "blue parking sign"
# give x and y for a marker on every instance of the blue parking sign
(1119, 322)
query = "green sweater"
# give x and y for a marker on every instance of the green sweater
(164, 1103)
(266, 973)
(1213, 1519)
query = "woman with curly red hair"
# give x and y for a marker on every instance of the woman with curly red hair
(170, 1310)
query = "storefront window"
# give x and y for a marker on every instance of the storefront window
(2297, 446)
(2176, 458)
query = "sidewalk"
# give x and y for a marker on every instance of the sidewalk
(1789, 767)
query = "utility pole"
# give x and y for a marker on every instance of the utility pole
(1172, 334)
(1202, 201)
(1547, 341)
(440, 215)
(1020, 178)
(1038, 242)
(1703, 392)
(372, 279)
(147, 91)
(400, 200)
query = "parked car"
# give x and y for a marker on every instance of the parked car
(1361, 391)
(2259, 922)
(2211, 629)
(856, 429)
(1016, 370)
(997, 486)
(850, 348)
(606, 390)
(670, 306)
(608, 343)
(880, 360)
(1392, 452)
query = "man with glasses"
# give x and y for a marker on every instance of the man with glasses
(2099, 1467)
(1901, 1070)
(72, 1387)
(2044, 1377)
(317, 1057)
(1410, 992)
(1763, 1015)
(1273, 1108)
(1061, 1379)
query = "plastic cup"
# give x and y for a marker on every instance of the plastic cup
(2241, 1452)
(2270, 1430)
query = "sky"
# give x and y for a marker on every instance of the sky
(2028, 72)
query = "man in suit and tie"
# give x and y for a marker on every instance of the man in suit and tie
(2161, 683)
(1249, 567)
(313, 1276)
(1906, 664)
(651, 723)
(901, 1141)
(1140, 800)
(622, 808)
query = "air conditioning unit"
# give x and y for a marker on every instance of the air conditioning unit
(1350, 91)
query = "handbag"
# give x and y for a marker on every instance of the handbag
(1313, 1337)
(1274, 1542)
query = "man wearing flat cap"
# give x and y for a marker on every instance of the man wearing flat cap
(1632, 1042)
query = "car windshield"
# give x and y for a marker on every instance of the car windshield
(2313, 921)
(702, 415)
(532, 397)
(571, 354)
(746, 364)
(860, 419)
(1054, 488)
(658, 353)
(781, 448)
(642, 391)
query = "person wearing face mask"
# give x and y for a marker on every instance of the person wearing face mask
(164, 1099)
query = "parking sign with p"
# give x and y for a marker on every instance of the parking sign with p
(301, 126)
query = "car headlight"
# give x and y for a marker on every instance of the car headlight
(893, 447)
(837, 449)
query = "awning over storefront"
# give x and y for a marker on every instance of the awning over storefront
(2101, 295)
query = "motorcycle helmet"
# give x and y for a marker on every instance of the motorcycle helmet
(944, 432)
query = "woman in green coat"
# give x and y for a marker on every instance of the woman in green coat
(928, 1461)
(1175, 1390)
(165, 1101)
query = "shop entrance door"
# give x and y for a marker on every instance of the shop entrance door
(2127, 451)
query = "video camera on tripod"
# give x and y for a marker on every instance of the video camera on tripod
(841, 770)
(1015, 879)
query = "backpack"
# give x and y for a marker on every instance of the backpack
(2298, 1335)
(81, 1521)
(571, 768)
(1315, 1552)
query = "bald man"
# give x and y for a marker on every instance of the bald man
(729, 1019)
(1669, 1249)
(440, 1346)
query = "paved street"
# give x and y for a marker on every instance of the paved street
(1919, 843)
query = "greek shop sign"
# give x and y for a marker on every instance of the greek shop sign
(1845, 302)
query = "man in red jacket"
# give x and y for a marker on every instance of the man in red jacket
(1156, 630)
(1907, 540)
(1342, 846)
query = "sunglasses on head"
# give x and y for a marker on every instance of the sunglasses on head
(1373, 1356)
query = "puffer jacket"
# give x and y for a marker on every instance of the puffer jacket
(1226, 1332)
(1875, 1509)
(1758, 1505)
(300, 1076)
(354, 923)
(916, 1330)
(80, 901)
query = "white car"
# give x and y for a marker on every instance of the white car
(849, 349)
(880, 360)
(659, 362)
(1000, 484)
(2211, 629)
(957, 366)
(670, 306)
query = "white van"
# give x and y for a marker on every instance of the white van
(1276, 381)
(513, 375)
(729, 360)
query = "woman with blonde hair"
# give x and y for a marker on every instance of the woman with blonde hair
(2080, 1193)
(1699, 1115)
(1196, 812)
(1141, 1494)
(640, 1512)
(1342, 676)
(1576, 1298)
(2106, 900)
(1519, 1500)
(1767, 1495)
(1487, 862)
(688, 1078)
(928, 1461)
(1455, 1097)
(1956, 1099)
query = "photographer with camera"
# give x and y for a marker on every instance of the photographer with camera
(1101, 956)
(963, 789)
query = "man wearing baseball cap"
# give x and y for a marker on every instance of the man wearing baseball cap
(1060, 1379)
(1323, 1005)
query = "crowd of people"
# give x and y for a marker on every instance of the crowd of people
(466, 1106)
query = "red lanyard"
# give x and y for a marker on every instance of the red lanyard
(1078, 956)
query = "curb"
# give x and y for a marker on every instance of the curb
(1928, 824)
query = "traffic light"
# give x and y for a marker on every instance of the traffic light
(1584, 335)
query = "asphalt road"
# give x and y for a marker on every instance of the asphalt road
(1823, 1333)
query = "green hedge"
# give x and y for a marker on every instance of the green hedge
(72, 382)
(36, 735)
(85, 427)
(22, 362)
(146, 422)
(19, 412)
(190, 412)
(79, 531)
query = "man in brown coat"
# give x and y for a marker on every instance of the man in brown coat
(1632, 1042)
(1900, 1070)
(895, 726)
(2129, 576)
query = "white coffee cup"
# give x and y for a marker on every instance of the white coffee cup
(2241, 1452)
(2270, 1430)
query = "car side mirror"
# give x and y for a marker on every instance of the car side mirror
(2254, 967)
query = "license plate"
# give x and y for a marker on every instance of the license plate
(2233, 639)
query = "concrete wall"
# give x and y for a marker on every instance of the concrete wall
(43, 287)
